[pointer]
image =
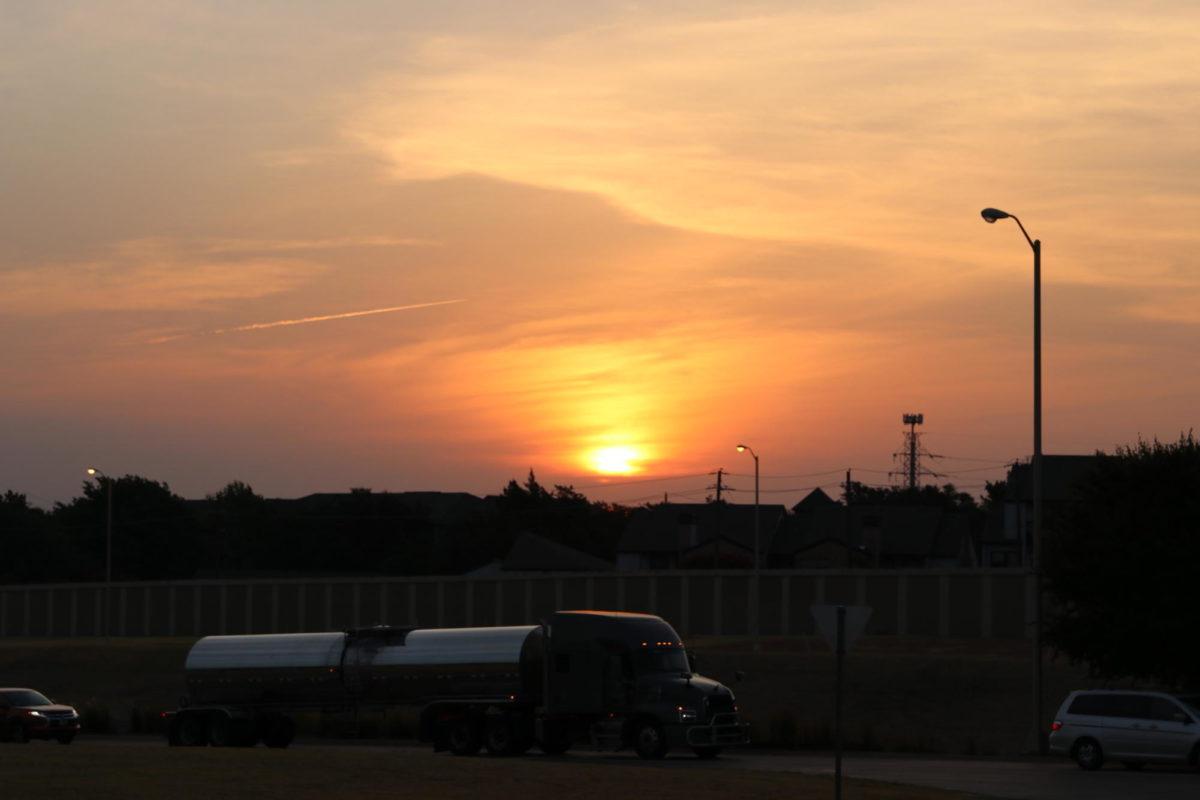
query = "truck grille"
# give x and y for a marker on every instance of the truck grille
(719, 704)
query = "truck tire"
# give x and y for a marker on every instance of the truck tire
(649, 741)
(187, 730)
(222, 732)
(464, 736)
(500, 736)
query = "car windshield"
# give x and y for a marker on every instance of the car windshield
(666, 659)
(26, 697)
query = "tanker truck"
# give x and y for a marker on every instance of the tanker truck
(613, 680)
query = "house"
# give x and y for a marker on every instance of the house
(531, 553)
(822, 533)
(697, 536)
(1007, 540)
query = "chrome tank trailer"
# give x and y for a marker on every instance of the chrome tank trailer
(373, 666)
(612, 679)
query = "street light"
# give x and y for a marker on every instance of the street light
(95, 473)
(990, 215)
(741, 448)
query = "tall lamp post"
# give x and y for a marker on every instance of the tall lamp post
(741, 448)
(95, 473)
(991, 215)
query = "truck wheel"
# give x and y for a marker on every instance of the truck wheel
(706, 753)
(500, 736)
(16, 732)
(648, 740)
(464, 736)
(279, 731)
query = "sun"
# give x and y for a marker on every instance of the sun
(615, 459)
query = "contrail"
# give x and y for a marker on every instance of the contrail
(255, 326)
(304, 320)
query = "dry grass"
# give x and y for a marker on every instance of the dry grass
(38, 770)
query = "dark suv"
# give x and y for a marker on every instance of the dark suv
(26, 714)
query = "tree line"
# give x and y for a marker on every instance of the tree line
(236, 532)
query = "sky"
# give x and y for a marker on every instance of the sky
(413, 246)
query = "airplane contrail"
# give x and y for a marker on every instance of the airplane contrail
(257, 325)
(304, 320)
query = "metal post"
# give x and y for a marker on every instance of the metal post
(840, 653)
(1036, 559)
(108, 564)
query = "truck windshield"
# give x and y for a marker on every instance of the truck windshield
(661, 660)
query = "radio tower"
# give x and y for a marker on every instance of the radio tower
(910, 456)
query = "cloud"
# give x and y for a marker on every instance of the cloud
(774, 124)
(149, 274)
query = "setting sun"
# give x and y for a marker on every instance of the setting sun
(616, 460)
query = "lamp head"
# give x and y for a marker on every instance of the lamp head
(741, 448)
(93, 471)
(993, 214)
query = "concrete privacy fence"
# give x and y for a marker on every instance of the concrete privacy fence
(961, 603)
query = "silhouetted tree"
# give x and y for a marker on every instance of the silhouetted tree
(30, 549)
(562, 515)
(946, 496)
(1120, 565)
(154, 533)
(238, 530)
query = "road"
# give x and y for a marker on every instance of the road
(1018, 779)
(1012, 779)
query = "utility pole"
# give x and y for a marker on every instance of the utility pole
(717, 534)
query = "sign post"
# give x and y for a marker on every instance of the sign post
(840, 625)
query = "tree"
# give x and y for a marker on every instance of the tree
(31, 551)
(1119, 565)
(563, 515)
(947, 497)
(154, 532)
(237, 528)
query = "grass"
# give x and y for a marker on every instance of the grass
(40, 770)
(902, 694)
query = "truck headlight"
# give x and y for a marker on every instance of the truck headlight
(687, 714)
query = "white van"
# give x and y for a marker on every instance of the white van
(1135, 728)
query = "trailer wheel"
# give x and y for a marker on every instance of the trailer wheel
(278, 731)
(464, 736)
(187, 730)
(649, 741)
(222, 732)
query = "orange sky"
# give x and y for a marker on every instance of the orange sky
(659, 227)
